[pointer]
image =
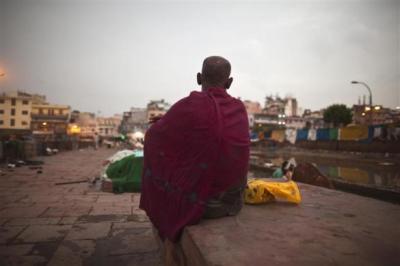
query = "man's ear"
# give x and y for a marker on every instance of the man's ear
(199, 78)
(228, 83)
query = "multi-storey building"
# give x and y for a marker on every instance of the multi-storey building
(252, 108)
(49, 118)
(295, 122)
(395, 113)
(291, 106)
(267, 121)
(87, 123)
(108, 126)
(15, 110)
(314, 119)
(157, 108)
(280, 106)
(134, 120)
(372, 115)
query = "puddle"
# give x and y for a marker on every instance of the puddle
(384, 175)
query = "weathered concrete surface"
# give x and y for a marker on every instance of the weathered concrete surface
(328, 228)
(45, 224)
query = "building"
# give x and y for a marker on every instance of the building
(274, 106)
(280, 106)
(47, 118)
(24, 111)
(395, 113)
(376, 115)
(252, 108)
(157, 108)
(86, 122)
(314, 119)
(108, 126)
(295, 122)
(291, 106)
(134, 120)
(15, 110)
(266, 121)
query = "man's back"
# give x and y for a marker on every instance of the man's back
(199, 149)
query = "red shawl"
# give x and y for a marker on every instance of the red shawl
(198, 149)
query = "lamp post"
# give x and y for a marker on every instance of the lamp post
(370, 98)
(368, 88)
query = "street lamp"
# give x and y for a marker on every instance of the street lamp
(368, 88)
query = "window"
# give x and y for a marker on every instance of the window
(1, 111)
(24, 112)
(1, 100)
(25, 102)
(12, 122)
(1, 122)
(13, 101)
(24, 123)
(12, 111)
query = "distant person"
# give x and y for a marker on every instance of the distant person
(196, 156)
(286, 170)
(101, 140)
(96, 140)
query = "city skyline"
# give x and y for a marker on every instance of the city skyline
(108, 57)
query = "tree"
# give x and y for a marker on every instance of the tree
(338, 114)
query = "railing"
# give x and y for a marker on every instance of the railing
(49, 117)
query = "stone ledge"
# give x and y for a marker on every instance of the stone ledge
(328, 228)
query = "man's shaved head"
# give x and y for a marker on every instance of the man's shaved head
(215, 73)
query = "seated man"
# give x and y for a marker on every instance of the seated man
(196, 156)
(286, 170)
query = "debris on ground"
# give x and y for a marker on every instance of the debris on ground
(35, 167)
(34, 162)
(72, 182)
(50, 151)
(107, 186)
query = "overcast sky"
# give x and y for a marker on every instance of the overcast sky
(111, 55)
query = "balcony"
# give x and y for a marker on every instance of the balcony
(44, 117)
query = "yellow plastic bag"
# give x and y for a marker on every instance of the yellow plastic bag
(261, 191)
